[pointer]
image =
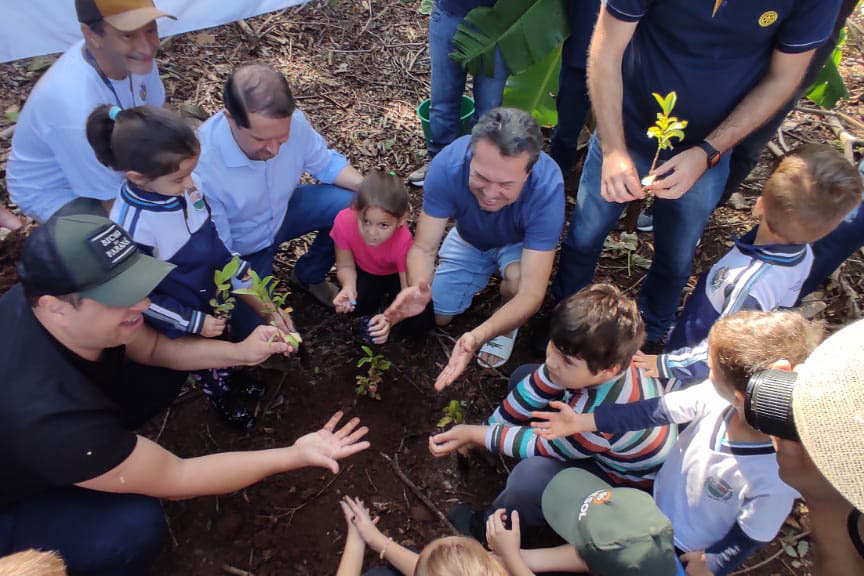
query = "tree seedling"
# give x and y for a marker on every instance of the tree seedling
(222, 302)
(265, 290)
(368, 385)
(664, 129)
(452, 414)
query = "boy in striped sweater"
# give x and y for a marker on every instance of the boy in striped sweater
(594, 335)
(804, 199)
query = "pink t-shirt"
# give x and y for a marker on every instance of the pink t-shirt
(383, 260)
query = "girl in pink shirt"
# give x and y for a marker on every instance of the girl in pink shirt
(372, 245)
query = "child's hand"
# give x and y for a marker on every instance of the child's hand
(564, 422)
(457, 437)
(345, 300)
(648, 364)
(357, 515)
(695, 564)
(379, 329)
(506, 543)
(213, 326)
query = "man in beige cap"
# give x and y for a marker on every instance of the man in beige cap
(827, 465)
(51, 163)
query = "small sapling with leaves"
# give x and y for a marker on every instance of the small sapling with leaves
(369, 384)
(664, 129)
(223, 302)
(452, 414)
(265, 290)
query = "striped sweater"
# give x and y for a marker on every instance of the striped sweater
(630, 457)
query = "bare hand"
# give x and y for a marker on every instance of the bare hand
(357, 515)
(353, 533)
(450, 441)
(678, 174)
(620, 181)
(213, 326)
(261, 344)
(325, 447)
(9, 220)
(695, 564)
(410, 302)
(648, 363)
(345, 300)
(463, 351)
(506, 543)
(564, 422)
(379, 329)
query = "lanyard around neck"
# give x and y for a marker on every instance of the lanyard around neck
(88, 57)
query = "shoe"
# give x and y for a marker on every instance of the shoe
(237, 416)
(417, 177)
(324, 291)
(645, 221)
(468, 521)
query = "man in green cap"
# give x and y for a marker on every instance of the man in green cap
(76, 478)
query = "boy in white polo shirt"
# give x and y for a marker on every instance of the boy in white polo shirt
(720, 485)
(51, 163)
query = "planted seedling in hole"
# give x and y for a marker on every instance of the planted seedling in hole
(223, 302)
(369, 384)
(265, 290)
(452, 414)
(665, 129)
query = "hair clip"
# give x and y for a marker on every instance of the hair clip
(112, 113)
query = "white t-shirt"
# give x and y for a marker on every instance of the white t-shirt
(51, 161)
(708, 483)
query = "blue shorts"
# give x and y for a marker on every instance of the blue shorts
(464, 270)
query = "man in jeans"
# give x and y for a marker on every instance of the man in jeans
(448, 79)
(253, 155)
(760, 50)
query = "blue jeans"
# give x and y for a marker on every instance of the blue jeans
(572, 101)
(448, 83)
(313, 207)
(96, 533)
(678, 224)
(833, 249)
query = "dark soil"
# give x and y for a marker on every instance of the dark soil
(358, 69)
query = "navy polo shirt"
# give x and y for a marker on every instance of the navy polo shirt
(712, 60)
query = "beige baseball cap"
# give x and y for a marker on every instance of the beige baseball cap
(125, 15)
(828, 406)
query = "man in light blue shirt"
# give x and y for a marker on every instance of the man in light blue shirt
(253, 155)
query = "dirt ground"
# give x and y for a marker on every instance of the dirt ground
(358, 70)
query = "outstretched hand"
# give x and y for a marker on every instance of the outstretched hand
(325, 447)
(463, 351)
(506, 543)
(563, 422)
(648, 364)
(410, 301)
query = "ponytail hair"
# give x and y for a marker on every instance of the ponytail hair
(145, 139)
(384, 191)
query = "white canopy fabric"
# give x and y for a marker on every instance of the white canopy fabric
(36, 27)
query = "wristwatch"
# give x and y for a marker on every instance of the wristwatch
(712, 153)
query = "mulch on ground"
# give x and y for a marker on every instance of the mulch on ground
(358, 71)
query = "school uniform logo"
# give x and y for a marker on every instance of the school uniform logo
(718, 489)
(719, 278)
(768, 18)
(197, 199)
(142, 92)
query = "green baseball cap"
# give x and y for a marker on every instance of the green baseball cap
(91, 256)
(617, 531)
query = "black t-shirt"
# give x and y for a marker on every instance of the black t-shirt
(58, 423)
(854, 525)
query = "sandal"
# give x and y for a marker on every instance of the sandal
(501, 347)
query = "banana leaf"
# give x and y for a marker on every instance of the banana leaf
(828, 87)
(524, 30)
(535, 89)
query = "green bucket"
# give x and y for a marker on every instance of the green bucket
(466, 114)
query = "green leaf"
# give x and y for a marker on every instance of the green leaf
(655, 132)
(246, 292)
(368, 351)
(669, 102)
(426, 7)
(803, 548)
(525, 31)
(12, 113)
(40, 63)
(828, 87)
(384, 365)
(534, 90)
(363, 361)
(444, 421)
(661, 102)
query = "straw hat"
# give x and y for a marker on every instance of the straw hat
(828, 404)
